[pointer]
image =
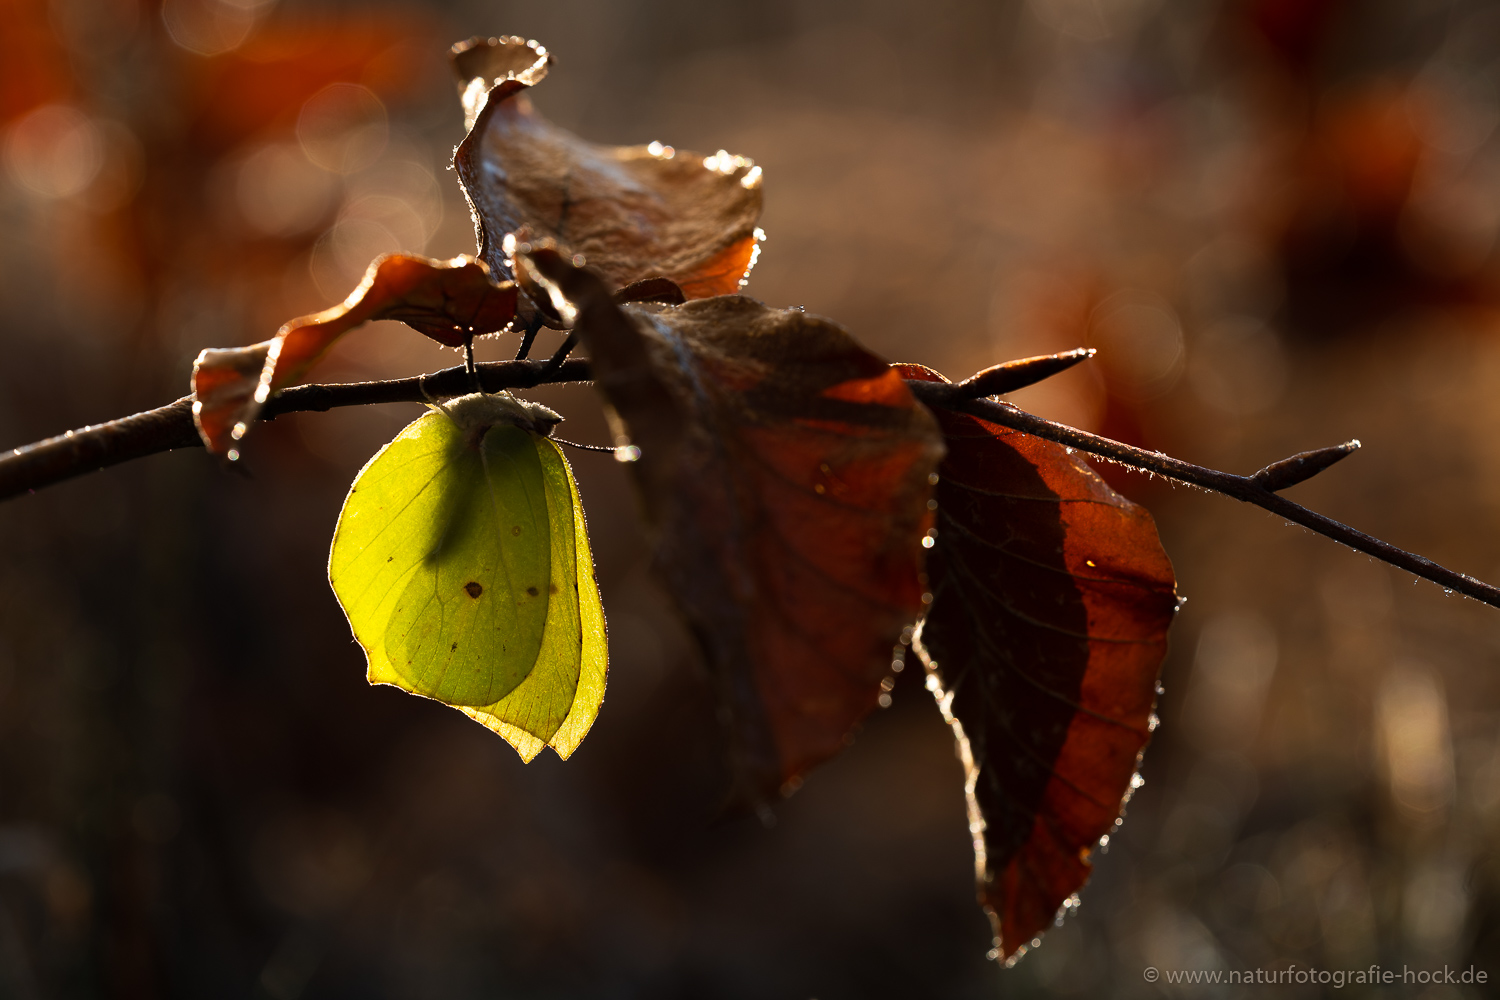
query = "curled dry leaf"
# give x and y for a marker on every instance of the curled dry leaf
(449, 301)
(784, 471)
(1051, 602)
(634, 212)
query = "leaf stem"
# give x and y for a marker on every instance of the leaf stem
(469, 364)
(561, 355)
(528, 336)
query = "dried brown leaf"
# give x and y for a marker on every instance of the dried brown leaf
(634, 212)
(784, 470)
(1051, 601)
(450, 301)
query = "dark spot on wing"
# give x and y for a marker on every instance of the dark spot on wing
(473, 588)
(532, 591)
(516, 530)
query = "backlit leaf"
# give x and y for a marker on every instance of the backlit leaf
(1051, 602)
(449, 301)
(633, 211)
(462, 562)
(784, 472)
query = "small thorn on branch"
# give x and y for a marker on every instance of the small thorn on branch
(1290, 471)
(1013, 375)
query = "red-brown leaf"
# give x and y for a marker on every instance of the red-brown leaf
(785, 473)
(633, 213)
(449, 301)
(1051, 602)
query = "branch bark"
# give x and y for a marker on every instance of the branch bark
(1243, 488)
(29, 468)
(166, 428)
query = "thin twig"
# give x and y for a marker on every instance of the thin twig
(560, 355)
(528, 336)
(169, 427)
(1243, 488)
(29, 468)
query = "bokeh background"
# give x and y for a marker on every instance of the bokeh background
(1277, 221)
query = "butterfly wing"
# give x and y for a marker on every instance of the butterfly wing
(442, 563)
(557, 703)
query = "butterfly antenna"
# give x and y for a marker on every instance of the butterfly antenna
(584, 447)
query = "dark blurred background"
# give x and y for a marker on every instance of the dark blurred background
(1277, 221)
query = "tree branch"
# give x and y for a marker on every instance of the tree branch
(1244, 488)
(75, 453)
(29, 468)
